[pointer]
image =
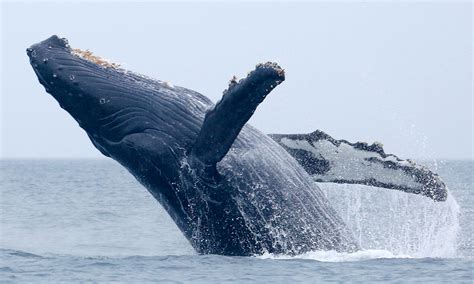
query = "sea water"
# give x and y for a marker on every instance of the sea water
(89, 220)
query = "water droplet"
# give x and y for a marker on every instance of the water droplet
(55, 76)
(49, 46)
(72, 77)
(33, 53)
(35, 65)
(102, 101)
(69, 94)
(45, 60)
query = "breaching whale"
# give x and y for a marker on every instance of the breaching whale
(229, 188)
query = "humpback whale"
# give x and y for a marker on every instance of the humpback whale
(230, 189)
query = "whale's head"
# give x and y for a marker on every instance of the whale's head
(120, 111)
(72, 81)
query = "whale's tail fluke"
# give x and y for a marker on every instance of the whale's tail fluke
(339, 161)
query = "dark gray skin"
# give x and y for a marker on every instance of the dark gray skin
(230, 189)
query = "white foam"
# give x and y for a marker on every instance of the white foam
(334, 256)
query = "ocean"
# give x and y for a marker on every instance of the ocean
(89, 220)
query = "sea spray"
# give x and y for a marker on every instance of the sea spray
(400, 223)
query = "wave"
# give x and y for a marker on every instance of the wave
(18, 253)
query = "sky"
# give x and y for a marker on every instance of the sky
(395, 72)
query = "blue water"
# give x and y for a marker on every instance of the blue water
(89, 220)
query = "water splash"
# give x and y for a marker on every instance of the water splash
(390, 224)
(400, 223)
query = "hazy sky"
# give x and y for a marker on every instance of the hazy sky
(398, 73)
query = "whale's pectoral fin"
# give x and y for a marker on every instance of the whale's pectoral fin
(339, 161)
(223, 123)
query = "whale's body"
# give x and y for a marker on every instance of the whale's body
(230, 188)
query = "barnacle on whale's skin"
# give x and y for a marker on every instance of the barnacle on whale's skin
(88, 55)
